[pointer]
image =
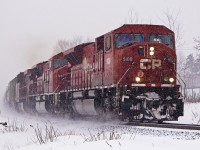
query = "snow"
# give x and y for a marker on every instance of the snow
(93, 133)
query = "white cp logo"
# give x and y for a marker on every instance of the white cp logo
(149, 63)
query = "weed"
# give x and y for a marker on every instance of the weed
(14, 126)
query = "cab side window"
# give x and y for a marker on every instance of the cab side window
(100, 43)
(108, 43)
(50, 64)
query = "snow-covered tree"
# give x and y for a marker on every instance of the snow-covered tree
(192, 69)
(197, 47)
(197, 41)
(132, 18)
(171, 20)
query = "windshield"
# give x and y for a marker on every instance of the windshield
(166, 39)
(122, 39)
(59, 63)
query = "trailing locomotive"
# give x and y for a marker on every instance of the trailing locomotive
(129, 72)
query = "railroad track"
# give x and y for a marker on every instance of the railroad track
(165, 125)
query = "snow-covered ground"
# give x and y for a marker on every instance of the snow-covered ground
(45, 132)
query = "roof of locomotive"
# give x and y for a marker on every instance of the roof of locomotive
(38, 64)
(140, 28)
(76, 48)
(143, 28)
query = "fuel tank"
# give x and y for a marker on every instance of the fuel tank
(84, 107)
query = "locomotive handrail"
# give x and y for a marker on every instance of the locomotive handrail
(59, 85)
(178, 80)
(125, 73)
(182, 82)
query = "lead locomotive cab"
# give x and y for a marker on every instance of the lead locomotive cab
(145, 64)
(138, 73)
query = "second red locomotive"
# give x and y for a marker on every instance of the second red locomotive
(129, 72)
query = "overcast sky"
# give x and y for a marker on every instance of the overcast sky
(29, 29)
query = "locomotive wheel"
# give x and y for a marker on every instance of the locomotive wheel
(25, 106)
(98, 104)
(160, 121)
(72, 114)
(142, 120)
(48, 106)
(107, 105)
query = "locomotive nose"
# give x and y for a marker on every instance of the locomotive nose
(149, 64)
(155, 65)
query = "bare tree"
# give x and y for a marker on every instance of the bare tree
(181, 67)
(63, 45)
(172, 22)
(133, 17)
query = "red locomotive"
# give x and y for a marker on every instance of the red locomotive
(129, 72)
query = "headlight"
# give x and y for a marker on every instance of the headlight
(137, 79)
(171, 80)
(152, 53)
(151, 48)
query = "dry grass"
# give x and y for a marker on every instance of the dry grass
(102, 135)
(7, 147)
(14, 126)
(49, 134)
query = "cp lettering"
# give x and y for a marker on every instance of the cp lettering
(150, 63)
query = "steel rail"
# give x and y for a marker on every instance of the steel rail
(164, 125)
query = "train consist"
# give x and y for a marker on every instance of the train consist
(129, 72)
